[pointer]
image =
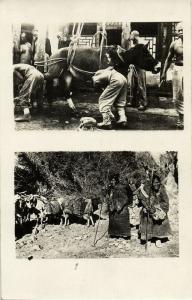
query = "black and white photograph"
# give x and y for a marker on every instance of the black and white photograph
(96, 204)
(95, 155)
(98, 76)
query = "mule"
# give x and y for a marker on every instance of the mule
(22, 213)
(81, 63)
(79, 207)
(36, 205)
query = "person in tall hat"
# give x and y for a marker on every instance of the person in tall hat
(154, 222)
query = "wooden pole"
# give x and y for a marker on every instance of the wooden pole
(151, 181)
(125, 35)
(16, 29)
(40, 44)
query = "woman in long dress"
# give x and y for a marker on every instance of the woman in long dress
(154, 222)
(118, 201)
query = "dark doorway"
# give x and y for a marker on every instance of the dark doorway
(114, 36)
(146, 29)
(28, 28)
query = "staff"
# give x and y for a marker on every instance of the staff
(148, 209)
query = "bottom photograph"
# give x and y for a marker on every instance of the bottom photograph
(96, 204)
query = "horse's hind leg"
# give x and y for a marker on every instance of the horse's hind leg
(66, 219)
(65, 85)
(61, 220)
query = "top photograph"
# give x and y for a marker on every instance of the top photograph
(98, 76)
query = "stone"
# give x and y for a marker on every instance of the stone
(30, 257)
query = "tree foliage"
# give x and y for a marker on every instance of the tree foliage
(81, 173)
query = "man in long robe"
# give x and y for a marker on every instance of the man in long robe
(137, 77)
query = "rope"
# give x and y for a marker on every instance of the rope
(73, 44)
(99, 32)
(55, 61)
(72, 51)
(120, 57)
(133, 69)
(82, 71)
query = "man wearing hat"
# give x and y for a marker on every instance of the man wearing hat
(118, 201)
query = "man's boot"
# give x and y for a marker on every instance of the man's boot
(26, 117)
(106, 124)
(122, 117)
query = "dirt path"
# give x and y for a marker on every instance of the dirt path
(160, 115)
(77, 240)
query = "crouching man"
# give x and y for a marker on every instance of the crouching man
(28, 81)
(114, 94)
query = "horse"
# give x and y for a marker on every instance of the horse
(81, 63)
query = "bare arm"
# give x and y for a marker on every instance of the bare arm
(168, 61)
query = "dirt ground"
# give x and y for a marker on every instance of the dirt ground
(160, 114)
(76, 241)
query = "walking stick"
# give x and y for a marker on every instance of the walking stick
(146, 244)
(97, 225)
(100, 214)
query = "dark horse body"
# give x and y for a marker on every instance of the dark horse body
(81, 63)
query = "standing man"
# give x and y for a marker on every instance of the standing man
(30, 82)
(137, 77)
(25, 50)
(34, 45)
(176, 52)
